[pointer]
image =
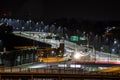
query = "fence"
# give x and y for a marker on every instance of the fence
(16, 73)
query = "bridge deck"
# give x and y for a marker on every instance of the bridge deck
(53, 74)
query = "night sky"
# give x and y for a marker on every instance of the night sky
(52, 9)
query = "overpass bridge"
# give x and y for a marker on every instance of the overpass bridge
(65, 73)
(94, 56)
(53, 74)
(97, 63)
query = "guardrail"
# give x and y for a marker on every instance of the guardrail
(16, 73)
(53, 71)
(40, 70)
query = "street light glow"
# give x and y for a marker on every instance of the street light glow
(77, 55)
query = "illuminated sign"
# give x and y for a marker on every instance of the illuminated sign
(74, 38)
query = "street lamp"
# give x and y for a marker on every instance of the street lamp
(76, 55)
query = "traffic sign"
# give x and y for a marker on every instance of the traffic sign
(83, 38)
(74, 38)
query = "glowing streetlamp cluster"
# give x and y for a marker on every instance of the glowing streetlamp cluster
(79, 54)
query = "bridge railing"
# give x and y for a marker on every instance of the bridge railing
(39, 70)
(52, 71)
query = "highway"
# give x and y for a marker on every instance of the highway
(74, 52)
